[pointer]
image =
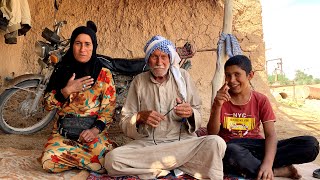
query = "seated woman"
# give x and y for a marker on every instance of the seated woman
(236, 115)
(83, 91)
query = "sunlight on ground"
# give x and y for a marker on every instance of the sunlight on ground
(295, 118)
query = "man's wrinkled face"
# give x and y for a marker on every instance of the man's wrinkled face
(159, 63)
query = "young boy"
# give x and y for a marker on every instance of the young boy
(236, 115)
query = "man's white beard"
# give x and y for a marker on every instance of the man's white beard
(159, 71)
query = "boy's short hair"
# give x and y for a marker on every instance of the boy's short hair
(240, 60)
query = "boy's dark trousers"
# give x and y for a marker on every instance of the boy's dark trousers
(244, 156)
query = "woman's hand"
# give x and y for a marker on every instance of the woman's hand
(89, 134)
(77, 85)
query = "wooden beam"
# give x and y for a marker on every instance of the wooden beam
(218, 78)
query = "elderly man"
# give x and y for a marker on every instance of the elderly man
(162, 113)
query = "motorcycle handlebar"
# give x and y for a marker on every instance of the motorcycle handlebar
(58, 25)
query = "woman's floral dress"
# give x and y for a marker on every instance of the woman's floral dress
(62, 154)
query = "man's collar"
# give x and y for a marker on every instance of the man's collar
(156, 82)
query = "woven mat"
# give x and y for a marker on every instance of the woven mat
(95, 176)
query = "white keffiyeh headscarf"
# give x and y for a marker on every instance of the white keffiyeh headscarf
(166, 46)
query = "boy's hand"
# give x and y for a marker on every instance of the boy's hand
(222, 95)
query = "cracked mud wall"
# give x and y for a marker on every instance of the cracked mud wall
(124, 26)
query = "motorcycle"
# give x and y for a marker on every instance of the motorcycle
(21, 107)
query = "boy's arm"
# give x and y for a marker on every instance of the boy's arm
(222, 96)
(213, 126)
(270, 150)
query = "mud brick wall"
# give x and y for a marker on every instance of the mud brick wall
(124, 26)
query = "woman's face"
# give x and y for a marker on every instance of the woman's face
(82, 48)
(238, 80)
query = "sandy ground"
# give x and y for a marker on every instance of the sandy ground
(295, 121)
(298, 116)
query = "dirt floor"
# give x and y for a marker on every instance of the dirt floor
(297, 116)
(295, 121)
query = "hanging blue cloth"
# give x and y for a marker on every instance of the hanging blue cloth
(232, 46)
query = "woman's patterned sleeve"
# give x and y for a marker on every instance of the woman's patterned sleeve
(108, 100)
(53, 100)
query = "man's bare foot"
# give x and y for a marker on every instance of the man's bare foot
(287, 171)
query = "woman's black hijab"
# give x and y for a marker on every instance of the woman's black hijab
(69, 65)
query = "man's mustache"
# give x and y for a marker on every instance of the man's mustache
(158, 67)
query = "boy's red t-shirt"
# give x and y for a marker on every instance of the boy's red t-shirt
(243, 121)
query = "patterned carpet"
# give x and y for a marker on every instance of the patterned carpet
(95, 176)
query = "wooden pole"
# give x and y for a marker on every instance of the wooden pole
(218, 78)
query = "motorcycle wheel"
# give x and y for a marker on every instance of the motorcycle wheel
(14, 103)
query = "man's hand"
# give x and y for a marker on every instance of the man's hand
(151, 118)
(222, 95)
(89, 134)
(183, 109)
(77, 85)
